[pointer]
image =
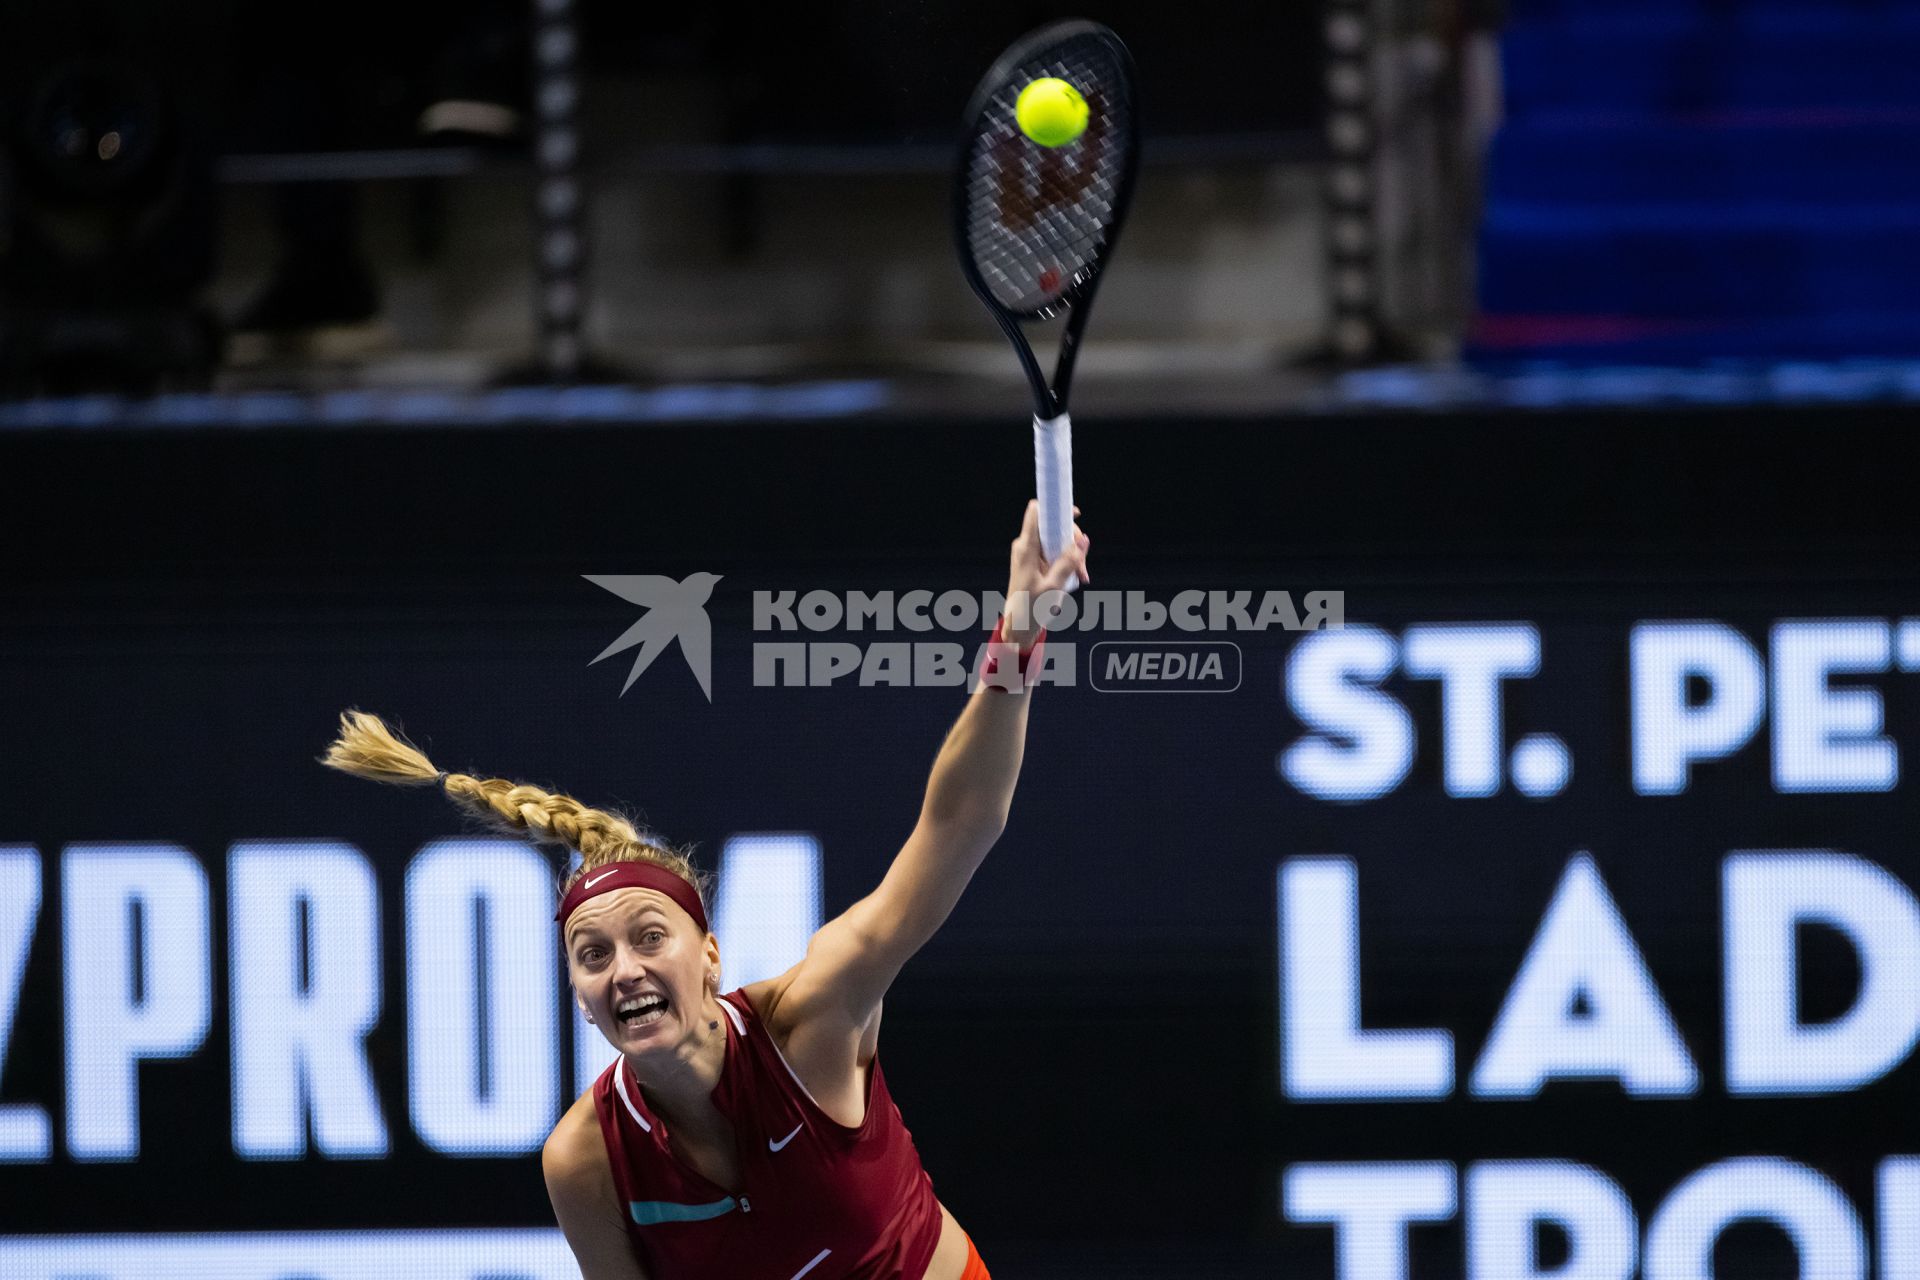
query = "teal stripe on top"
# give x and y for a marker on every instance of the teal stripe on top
(651, 1212)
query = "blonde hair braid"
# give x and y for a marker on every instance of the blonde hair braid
(366, 748)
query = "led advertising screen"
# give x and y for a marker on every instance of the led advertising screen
(1359, 917)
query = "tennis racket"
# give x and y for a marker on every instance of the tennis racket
(1035, 225)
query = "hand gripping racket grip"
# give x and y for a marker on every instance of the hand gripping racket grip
(1053, 480)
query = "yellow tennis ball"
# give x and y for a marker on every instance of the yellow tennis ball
(1051, 112)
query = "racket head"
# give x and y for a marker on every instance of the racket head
(1034, 225)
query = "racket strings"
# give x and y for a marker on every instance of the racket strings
(1038, 217)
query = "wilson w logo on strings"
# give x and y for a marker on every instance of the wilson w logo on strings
(1026, 190)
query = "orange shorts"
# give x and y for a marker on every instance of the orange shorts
(976, 1269)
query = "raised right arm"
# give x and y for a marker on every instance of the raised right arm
(580, 1184)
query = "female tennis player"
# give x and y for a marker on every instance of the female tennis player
(751, 1134)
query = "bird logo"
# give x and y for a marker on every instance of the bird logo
(674, 611)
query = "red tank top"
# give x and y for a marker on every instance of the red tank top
(816, 1199)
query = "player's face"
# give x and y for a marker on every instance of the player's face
(639, 967)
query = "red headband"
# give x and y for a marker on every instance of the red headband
(631, 875)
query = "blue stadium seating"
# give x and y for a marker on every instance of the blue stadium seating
(1689, 179)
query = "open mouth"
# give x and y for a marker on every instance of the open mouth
(641, 1011)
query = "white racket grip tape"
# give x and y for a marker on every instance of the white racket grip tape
(1053, 481)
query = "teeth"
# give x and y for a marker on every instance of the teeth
(640, 1004)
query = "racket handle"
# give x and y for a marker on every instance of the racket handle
(1053, 481)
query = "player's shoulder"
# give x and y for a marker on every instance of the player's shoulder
(576, 1149)
(794, 1021)
(767, 999)
(785, 1003)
